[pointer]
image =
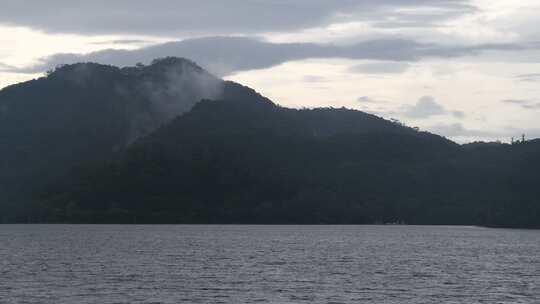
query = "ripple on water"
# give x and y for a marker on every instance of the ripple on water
(267, 264)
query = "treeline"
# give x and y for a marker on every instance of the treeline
(253, 162)
(91, 144)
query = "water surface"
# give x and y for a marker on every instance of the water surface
(267, 264)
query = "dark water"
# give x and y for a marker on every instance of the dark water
(267, 264)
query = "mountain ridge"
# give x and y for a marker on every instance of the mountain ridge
(213, 151)
(88, 111)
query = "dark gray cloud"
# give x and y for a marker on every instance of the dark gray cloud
(6, 67)
(524, 103)
(367, 99)
(456, 130)
(516, 101)
(531, 77)
(123, 41)
(380, 68)
(165, 17)
(426, 15)
(427, 107)
(225, 55)
(314, 78)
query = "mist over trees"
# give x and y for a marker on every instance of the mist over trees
(93, 143)
(85, 112)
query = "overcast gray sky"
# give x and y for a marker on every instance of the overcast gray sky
(467, 69)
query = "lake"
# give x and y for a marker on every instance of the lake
(267, 264)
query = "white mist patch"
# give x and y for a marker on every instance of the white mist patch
(181, 89)
(170, 91)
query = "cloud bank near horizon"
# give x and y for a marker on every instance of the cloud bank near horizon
(226, 55)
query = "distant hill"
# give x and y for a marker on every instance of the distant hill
(135, 145)
(87, 111)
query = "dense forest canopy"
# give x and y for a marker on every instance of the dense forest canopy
(170, 143)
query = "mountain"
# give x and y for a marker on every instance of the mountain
(247, 160)
(244, 159)
(240, 158)
(87, 112)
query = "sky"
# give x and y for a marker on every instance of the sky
(465, 69)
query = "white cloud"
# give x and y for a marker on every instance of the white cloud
(463, 134)
(470, 55)
(427, 107)
(387, 67)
